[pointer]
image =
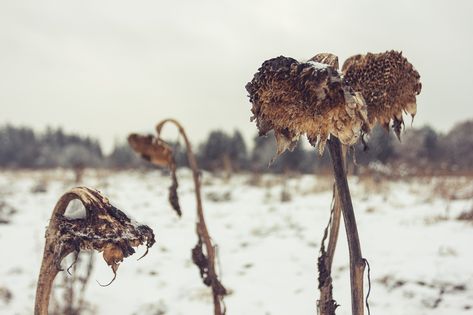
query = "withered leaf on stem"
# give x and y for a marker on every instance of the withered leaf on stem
(202, 262)
(159, 153)
(173, 196)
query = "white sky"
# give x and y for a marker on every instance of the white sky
(106, 68)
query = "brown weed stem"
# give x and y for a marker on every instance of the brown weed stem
(208, 263)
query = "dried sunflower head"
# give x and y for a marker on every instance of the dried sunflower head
(104, 228)
(313, 98)
(160, 153)
(389, 84)
(296, 98)
(152, 149)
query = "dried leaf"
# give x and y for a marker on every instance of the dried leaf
(173, 196)
(202, 262)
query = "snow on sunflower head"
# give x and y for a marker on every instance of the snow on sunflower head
(305, 98)
(314, 99)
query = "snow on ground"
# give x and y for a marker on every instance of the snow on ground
(420, 255)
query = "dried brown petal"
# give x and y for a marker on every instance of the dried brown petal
(113, 255)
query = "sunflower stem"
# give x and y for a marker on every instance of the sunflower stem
(357, 264)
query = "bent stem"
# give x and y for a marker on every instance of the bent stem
(218, 291)
(357, 264)
(49, 268)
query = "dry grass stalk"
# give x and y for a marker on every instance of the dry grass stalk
(104, 228)
(204, 253)
(315, 99)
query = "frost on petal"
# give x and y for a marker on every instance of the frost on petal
(326, 58)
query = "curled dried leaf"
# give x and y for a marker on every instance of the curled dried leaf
(209, 279)
(201, 261)
(173, 196)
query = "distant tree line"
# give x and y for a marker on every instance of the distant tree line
(421, 150)
(21, 147)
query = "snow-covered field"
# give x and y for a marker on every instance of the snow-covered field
(421, 256)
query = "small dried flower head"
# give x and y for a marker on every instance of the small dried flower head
(104, 228)
(152, 149)
(160, 153)
(389, 84)
(294, 98)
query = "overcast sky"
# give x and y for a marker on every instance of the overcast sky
(105, 68)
